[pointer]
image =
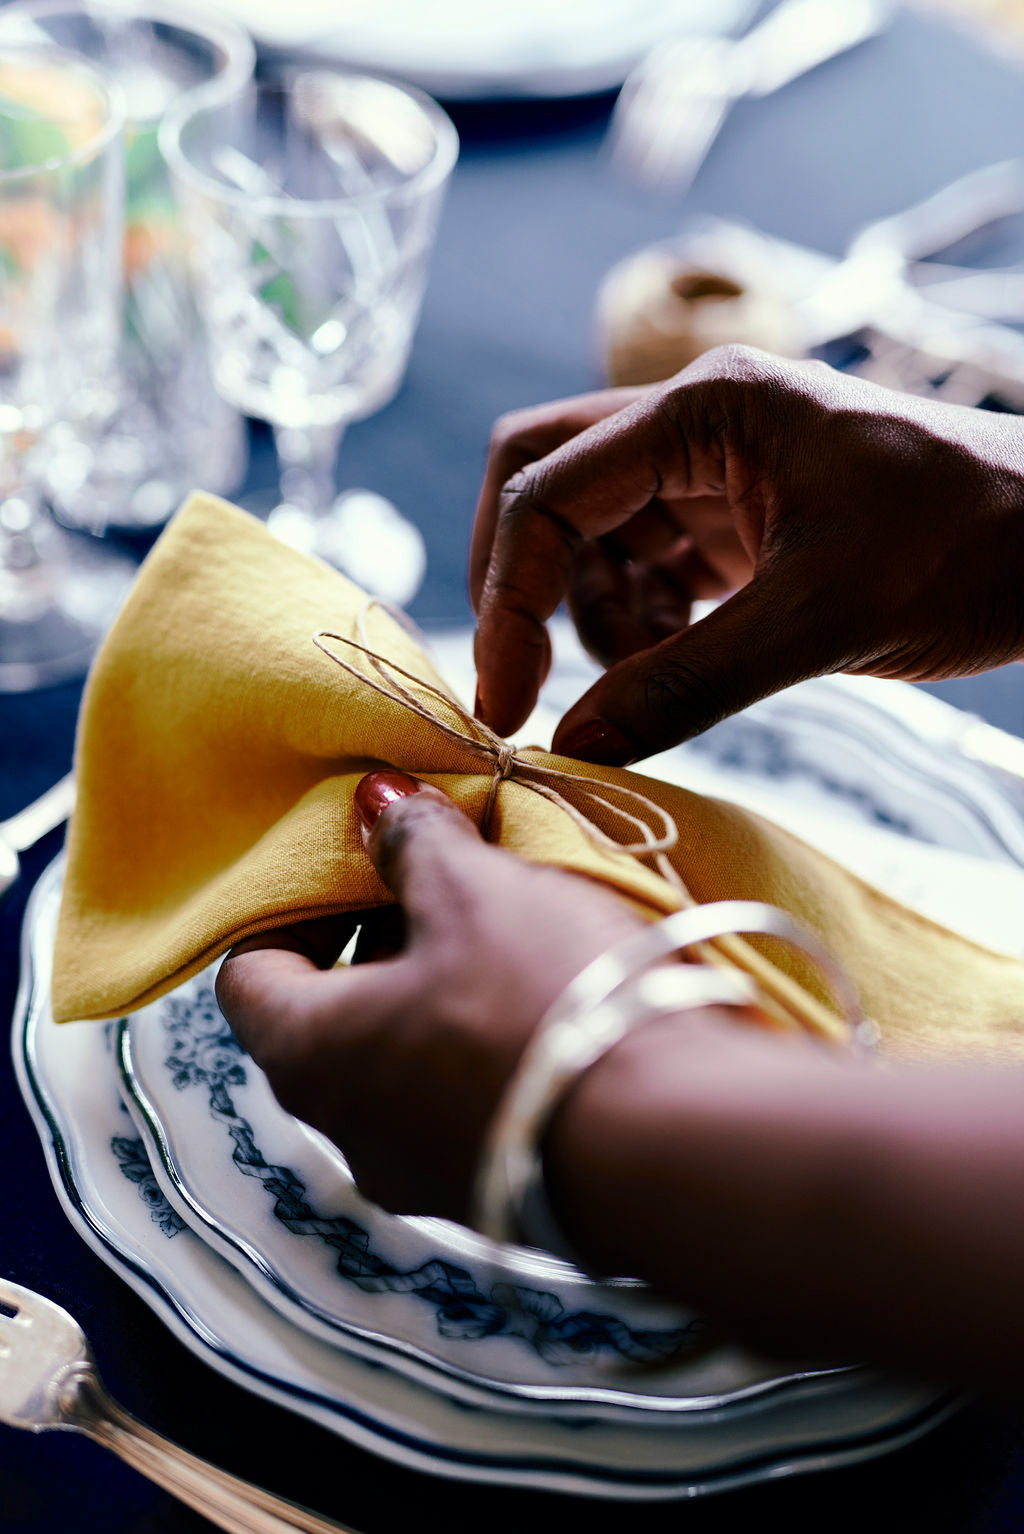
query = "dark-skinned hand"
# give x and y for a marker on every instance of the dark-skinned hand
(860, 530)
(805, 1199)
(400, 1059)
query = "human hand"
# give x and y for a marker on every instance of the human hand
(867, 531)
(850, 1194)
(401, 1060)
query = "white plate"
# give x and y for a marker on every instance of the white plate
(500, 1327)
(878, 774)
(465, 50)
(840, 764)
(99, 1169)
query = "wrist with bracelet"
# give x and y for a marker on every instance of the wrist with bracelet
(619, 992)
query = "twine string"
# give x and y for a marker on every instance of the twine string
(784, 1001)
(509, 765)
(504, 766)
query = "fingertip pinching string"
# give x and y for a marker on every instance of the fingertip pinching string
(784, 1000)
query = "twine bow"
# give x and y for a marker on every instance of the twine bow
(509, 765)
(786, 1002)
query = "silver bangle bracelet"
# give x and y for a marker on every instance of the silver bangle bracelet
(614, 995)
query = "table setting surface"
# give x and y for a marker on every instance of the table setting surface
(534, 218)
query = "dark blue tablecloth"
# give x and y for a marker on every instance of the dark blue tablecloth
(533, 221)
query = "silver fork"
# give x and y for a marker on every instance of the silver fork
(48, 1380)
(671, 107)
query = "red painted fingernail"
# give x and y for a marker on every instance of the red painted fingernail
(379, 789)
(599, 742)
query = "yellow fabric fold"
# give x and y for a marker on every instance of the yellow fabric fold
(217, 758)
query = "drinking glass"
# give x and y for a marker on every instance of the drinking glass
(61, 224)
(311, 202)
(170, 432)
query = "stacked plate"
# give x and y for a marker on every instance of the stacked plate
(415, 1337)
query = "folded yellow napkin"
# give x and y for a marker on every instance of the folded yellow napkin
(219, 749)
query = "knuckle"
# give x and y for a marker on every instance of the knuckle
(737, 368)
(739, 362)
(519, 492)
(509, 428)
(525, 512)
(744, 375)
(518, 487)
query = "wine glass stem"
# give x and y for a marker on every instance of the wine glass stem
(26, 573)
(306, 458)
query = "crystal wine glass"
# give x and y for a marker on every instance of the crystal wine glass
(170, 430)
(311, 202)
(61, 223)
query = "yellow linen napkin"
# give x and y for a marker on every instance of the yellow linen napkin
(217, 758)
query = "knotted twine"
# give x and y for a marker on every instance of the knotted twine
(785, 1001)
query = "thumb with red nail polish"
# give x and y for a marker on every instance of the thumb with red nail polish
(417, 837)
(379, 789)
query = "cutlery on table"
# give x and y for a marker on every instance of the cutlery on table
(889, 292)
(882, 286)
(31, 824)
(671, 107)
(48, 1380)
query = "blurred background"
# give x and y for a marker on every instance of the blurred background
(636, 182)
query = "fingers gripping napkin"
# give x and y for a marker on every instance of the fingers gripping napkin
(245, 690)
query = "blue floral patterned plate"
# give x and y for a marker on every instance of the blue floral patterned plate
(428, 1349)
(437, 1301)
(849, 765)
(852, 766)
(99, 1165)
